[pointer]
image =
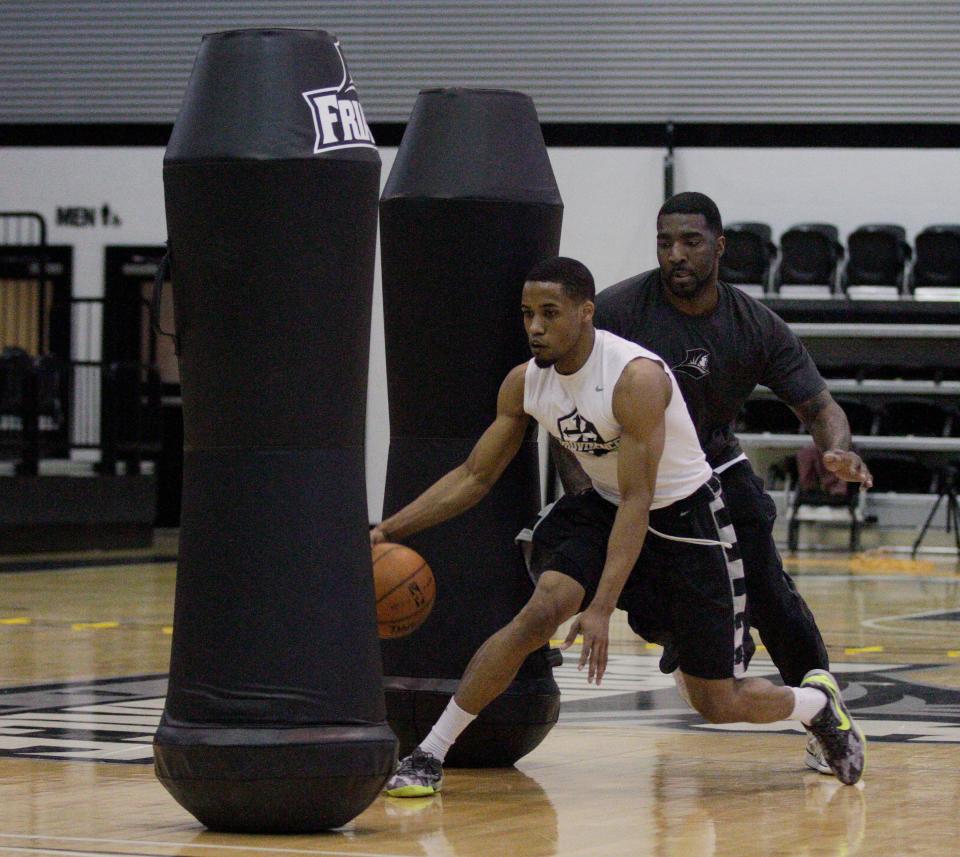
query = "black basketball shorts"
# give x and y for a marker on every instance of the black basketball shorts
(688, 597)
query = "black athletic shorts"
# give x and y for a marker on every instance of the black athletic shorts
(691, 598)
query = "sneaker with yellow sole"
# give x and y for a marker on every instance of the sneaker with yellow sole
(418, 775)
(843, 744)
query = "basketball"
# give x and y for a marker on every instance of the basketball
(404, 587)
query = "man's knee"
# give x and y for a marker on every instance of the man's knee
(556, 598)
(714, 699)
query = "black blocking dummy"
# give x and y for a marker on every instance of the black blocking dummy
(275, 717)
(470, 206)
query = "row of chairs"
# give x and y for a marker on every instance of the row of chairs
(30, 405)
(32, 413)
(900, 472)
(892, 471)
(877, 262)
(901, 417)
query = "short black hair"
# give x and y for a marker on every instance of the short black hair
(576, 279)
(692, 202)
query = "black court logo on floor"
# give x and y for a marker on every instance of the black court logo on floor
(114, 720)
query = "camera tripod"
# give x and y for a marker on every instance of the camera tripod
(949, 479)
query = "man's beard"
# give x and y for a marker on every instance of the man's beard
(543, 363)
(691, 288)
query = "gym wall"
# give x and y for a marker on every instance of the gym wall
(611, 196)
(91, 89)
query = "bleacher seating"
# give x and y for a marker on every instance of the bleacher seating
(936, 270)
(810, 256)
(878, 262)
(749, 255)
(899, 472)
(877, 256)
(917, 417)
(768, 415)
(863, 417)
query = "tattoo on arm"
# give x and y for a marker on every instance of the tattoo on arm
(826, 422)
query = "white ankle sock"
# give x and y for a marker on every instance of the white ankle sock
(808, 703)
(446, 730)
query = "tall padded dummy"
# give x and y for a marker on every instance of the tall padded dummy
(470, 205)
(275, 719)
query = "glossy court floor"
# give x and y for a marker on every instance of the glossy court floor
(628, 770)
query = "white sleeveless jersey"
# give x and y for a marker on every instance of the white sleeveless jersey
(577, 409)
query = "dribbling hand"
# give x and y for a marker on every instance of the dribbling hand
(377, 536)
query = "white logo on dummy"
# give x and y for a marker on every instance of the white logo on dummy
(338, 116)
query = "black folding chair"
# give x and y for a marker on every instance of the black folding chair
(876, 261)
(936, 270)
(747, 260)
(810, 255)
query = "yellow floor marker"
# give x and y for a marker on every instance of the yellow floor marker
(862, 650)
(93, 626)
(16, 620)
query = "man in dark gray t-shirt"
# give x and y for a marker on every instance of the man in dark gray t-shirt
(720, 344)
(719, 357)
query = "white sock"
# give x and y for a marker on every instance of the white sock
(808, 703)
(446, 730)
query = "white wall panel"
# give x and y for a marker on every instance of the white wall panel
(610, 196)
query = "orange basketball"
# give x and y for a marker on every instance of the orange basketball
(405, 589)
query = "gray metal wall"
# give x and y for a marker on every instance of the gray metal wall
(582, 61)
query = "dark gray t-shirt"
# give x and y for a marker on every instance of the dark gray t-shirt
(717, 358)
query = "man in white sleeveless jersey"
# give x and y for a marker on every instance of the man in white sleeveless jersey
(651, 537)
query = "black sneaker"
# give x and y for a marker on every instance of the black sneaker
(840, 738)
(418, 775)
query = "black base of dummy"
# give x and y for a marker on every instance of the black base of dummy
(296, 780)
(505, 731)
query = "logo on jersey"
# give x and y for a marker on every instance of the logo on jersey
(696, 363)
(337, 115)
(580, 435)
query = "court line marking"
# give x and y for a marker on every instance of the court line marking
(68, 852)
(180, 845)
(880, 623)
(880, 578)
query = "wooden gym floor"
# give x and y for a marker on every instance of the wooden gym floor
(628, 771)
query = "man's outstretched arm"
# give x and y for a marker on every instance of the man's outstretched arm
(466, 485)
(830, 429)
